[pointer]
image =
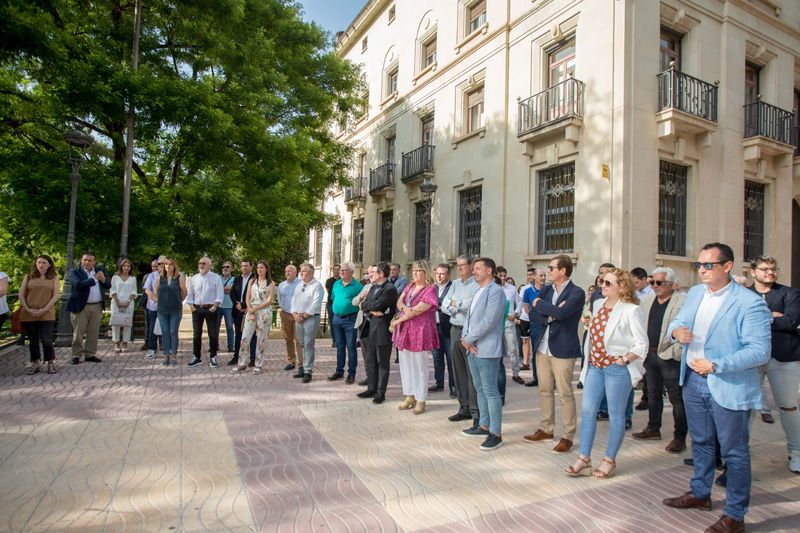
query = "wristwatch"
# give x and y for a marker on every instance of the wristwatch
(713, 368)
(626, 361)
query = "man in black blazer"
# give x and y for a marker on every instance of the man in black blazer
(378, 307)
(557, 312)
(239, 298)
(85, 306)
(441, 355)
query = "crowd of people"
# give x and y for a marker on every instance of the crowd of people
(709, 348)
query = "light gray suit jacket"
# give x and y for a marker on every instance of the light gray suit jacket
(484, 324)
(667, 348)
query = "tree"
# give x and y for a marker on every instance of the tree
(234, 102)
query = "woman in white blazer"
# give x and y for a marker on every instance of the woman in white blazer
(616, 345)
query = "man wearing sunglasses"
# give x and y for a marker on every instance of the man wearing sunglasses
(783, 369)
(725, 331)
(663, 362)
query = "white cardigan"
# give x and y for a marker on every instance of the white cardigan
(625, 332)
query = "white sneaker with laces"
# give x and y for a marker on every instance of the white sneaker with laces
(794, 464)
(150, 354)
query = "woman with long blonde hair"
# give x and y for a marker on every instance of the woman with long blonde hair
(170, 292)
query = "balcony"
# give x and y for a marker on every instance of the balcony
(554, 111)
(381, 179)
(357, 192)
(769, 131)
(686, 105)
(417, 163)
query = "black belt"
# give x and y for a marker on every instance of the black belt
(347, 315)
(205, 306)
(457, 327)
(94, 303)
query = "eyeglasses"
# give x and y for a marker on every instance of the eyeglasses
(227, 266)
(768, 269)
(707, 265)
(551, 268)
(159, 264)
(656, 283)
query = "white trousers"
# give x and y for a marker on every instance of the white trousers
(414, 373)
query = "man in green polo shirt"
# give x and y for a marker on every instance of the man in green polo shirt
(344, 319)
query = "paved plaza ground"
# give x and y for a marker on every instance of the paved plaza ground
(129, 445)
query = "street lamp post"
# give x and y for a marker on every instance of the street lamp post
(78, 143)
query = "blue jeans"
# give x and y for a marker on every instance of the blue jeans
(612, 382)
(501, 380)
(441, 356)
(484, 376)
(707, 418)
(628, 408)
(170, 322)
(227, 314)
(150, 336)
(344, 335)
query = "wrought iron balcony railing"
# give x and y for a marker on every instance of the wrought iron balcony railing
(382, 177)
(358, 191)
(686, 93)
(417, 162)
(561, 101)
(769, 121)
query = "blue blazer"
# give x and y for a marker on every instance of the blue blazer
(81, 284)
(484, 324)
(563, 337)
(738, 341)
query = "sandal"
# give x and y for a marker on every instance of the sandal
(582, 467)
(409, 403)
(237, 369)
(51, 367)
(600, 473)
(33, 369)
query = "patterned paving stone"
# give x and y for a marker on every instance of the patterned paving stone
(130, 445)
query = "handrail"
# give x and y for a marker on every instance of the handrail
(417, 161)
(561, 101)
(686, 93)
(381, 177)
(763, 119)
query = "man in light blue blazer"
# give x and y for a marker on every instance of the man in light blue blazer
(482, 339)
(725, 330)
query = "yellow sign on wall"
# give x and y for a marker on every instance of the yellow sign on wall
(604, 171)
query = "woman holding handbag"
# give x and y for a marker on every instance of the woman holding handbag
(123, 294)
(37, 297)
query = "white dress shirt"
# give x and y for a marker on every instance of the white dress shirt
(520, 306)
(308, 297)
(205, 290)
(709, 307)
(647, 291)
(95, 294)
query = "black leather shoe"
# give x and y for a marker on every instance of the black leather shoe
(93, 359)
(251, 364)
(335, 376)
(532, 383)
(306, 378)
(233, 361)
(602, 415)
(366, 394)
(299, 374)
(290, 366)
(362, 383)
(75, 361)
(458, 417)
(350, 380)
(517, 379)
(436, 388)
(722, 480)
(379, 398)
(453, 393)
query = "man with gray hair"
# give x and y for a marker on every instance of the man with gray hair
(306, 307)
(663, 360)
(205, 296)
(456, 304)
(342, 293)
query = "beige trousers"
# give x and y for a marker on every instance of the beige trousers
(86, 324)
(294, 349)
(559, 372)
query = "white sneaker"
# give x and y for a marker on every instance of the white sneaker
(150, 354)
(794, 464)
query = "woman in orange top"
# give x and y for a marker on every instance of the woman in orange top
(38, 295)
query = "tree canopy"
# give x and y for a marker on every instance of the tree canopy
(233, 98)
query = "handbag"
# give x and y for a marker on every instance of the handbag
(16, 322)
(157, 328)
(121, 319)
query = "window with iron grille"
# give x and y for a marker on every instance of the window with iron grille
(337, 244)
(422, 230)
(672, 194)
(753, 219)
(469, 229)
(557, 209)
(318, 248)
(386, 235)
(358, 241)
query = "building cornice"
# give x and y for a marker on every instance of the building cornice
(346, 39)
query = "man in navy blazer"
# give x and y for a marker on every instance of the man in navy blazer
(725, 330)
(483, 340)
(557, 312)
(85, 307)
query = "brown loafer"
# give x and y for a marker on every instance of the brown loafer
(647, 434)
(676, 446)
(563, 446)
(726, 524)
(538, 436)
(688, 501)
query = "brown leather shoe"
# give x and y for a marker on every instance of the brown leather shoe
(647, 434)
(726, 524)
(563, 446)
(688, 501)
(676, 446)
(538, 436)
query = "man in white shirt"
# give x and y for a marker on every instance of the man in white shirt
(151, 307)
(294, 350)
(306, 307)
(205, 296)
(86, 305)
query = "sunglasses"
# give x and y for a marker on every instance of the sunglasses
(551, 268)
(226, 266)
(606, 283)
(707, 265)
(656, 283)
